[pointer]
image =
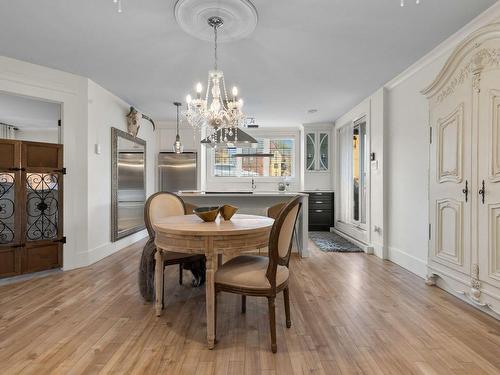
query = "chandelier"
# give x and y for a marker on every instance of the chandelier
(219, 115)
(403, 2)
(118, 5)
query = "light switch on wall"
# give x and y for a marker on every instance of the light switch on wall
(98, 148)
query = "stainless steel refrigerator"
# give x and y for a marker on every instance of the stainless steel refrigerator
(177, 171)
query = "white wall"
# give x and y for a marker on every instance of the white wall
(377, 229)
(88, 112)
(400, 138)
(407, 150)
(31, 80)
(106, 110)
(38, 135)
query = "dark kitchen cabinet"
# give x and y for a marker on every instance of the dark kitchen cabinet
(321, 211)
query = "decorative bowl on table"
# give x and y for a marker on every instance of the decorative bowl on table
(207, 214)
(227, 211)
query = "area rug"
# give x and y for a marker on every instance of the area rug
(330, 242)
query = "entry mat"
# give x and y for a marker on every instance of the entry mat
(330, 242)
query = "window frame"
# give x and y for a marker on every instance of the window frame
(275, 134)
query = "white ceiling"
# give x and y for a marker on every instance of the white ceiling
(323, 54)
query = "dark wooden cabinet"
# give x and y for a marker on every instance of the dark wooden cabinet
(321, 211)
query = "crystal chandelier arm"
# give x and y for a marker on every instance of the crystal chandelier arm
(208, 88)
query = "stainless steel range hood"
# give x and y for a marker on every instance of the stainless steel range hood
(238, 139)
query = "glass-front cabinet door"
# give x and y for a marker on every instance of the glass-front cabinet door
(311, 151)
(317, 151)
(323, 151)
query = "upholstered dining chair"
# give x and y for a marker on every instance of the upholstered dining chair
(264, 276)
(273, 213)
(161, 205)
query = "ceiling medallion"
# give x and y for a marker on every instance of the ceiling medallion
(217, 114)
(240, 18)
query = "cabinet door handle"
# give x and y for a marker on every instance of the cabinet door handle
(466, 190)
(482, 192)
(319, 202)
(319, 211)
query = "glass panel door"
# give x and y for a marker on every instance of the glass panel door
(311, 151)
(42, 206)
(359, 173)
(10, 208)
(7, 208)
(323, 151)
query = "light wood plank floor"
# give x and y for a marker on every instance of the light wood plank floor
(351, 314)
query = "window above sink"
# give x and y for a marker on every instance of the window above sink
(230, 162)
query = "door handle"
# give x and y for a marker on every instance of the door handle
(482, 192)
(466, 190)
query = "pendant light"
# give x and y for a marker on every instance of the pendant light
(177, 146)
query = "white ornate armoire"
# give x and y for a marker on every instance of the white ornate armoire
(464, 172)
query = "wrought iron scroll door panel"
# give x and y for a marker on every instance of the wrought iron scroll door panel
(10, 218)
(31, 236)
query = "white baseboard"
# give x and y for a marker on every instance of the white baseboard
(102, 251)
(366, 248)
(408, 262)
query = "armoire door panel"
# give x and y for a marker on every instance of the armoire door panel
(450, 146)
(449, 231)
(494, 146)
(450, 171)
(494, 246)
(488, 166)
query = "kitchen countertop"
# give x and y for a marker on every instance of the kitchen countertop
(317, 191)
(243, 194)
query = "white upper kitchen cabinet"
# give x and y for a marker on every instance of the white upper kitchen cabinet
(318, 156)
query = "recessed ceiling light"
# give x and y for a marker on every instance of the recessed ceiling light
(312, 111)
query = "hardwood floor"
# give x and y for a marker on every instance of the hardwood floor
(351, 314)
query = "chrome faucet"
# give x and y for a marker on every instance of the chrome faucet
(253, 184)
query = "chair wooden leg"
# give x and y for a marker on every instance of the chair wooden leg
(272, 323)
(243, 304)
(180, 274)
(163, 294)
(286, 298)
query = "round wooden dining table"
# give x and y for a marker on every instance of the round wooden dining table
(189, 234)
